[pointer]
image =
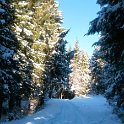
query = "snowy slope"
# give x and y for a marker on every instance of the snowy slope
(80, 110)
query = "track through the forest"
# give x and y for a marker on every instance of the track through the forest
(80, 110)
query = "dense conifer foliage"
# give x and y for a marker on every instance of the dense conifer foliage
(110, 25)
(97, 73)
(80, 75)
(35, 65)
(57, 69)
(33, 57)
(10, 78)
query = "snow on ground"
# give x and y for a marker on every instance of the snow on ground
(80, 110)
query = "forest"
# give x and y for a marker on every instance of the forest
(36, 65)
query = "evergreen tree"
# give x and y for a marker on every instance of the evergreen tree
(48, 18)
(10, 77)
(97, 73)
(79, 78)
(22, 27)
(33, 55)
(61, 65)
(53, 46)
(57, 68)
(110, 24)
(38, 30)
(37, 27)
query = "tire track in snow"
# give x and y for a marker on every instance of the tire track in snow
(68, 115)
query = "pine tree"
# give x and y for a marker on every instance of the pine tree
(28, 60)
(38, 29)
(23, 30)
(48, 19)
(97, 73)
(50, 38)
(109, 24)
(60, 69)
(79, 78)
(10, 77)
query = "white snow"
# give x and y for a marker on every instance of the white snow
(28, 32)
(36, 76)
(23, 3)
(54, 52)
(18, 29)
(80, 110)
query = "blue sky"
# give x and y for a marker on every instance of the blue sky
(77, 16)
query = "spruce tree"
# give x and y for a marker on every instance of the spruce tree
(53, 46)
(60, 68)
(35, 48)
(38, 29)
(110, 24)
(79, 78)
(10, 77)
(23, 30)
(48, 20)
(97, 73)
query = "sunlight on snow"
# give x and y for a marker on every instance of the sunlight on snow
(38, 118)
(29, 123)
(88, 97)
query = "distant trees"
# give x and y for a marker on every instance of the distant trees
(80, 75)
(110, 25)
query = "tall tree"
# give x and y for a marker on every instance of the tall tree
(57, 68)
(22, 27)
(35, 52)
(10, 77)
(97, 73)
(110, 24)
(37, 27)
(48, 19)
(79, 78)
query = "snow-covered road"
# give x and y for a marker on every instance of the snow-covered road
(80, 110)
